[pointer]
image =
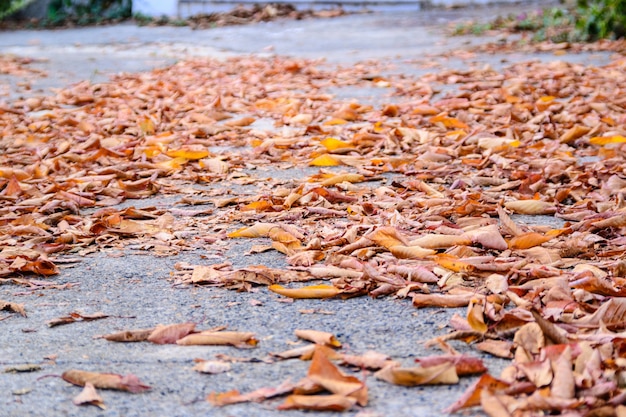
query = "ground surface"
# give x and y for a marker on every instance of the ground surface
(138, 290)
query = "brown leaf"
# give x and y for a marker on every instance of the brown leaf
(324, 373)
(12, 307)
(442, 300)
(563, 384)
(237, 339)
(318, 337)
(494, 405)
(89, 396)
(369, 360)
(444, 373)
(128, 383)
(464, 364)
(318, 403)
(171, 333)
(212, 367)
(129, 335)
(261, 394)
(472, 396)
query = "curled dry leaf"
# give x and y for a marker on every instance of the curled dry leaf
(369, 360)
(212, 367)
(140, 335)
(312, 291)
(410, 252)
(89, 396)
(237, 339)
(444, 373)
(533, 207)
(13, 307)
(318, 337)
(128, 382)
(325, 374)
(261, 394)
(171, 333)
(318, 403)
(472, 396)
(464, 364)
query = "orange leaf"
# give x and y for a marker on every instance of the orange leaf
(312, 291)
(318, 403)
(259, 206)
(607, 140)
(325, 161)
(449, 122)
(325, 374)
(188, 153)
(472, 395)
(528, 240)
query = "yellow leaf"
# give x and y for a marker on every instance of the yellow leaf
(188, 153)
(147, 126)
(607, 140)
(335, 121)
(453, 263)
(258, 206)
(475, 317)
(325, 161)
(312, 291)
(387, 237)
(337, 179)
(258, 230)
(173, 164)
(333, 144)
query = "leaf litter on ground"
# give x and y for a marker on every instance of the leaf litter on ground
(415, 199)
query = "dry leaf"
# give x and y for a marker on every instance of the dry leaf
(212, 367)
(129, 335)
(318, 337)
(312, 291)
(237, 339)
(89, 396)
(318, 403)
(128, 383)
(171, 333)
(444, 373)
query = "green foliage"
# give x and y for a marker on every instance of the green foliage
(599, 19)
(8, 7)
(84, 12)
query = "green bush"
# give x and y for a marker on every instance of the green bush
(599, 19)
(8, 7)
(85, 12)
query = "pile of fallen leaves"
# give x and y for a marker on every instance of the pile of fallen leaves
(242, 15)
(504, 195)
